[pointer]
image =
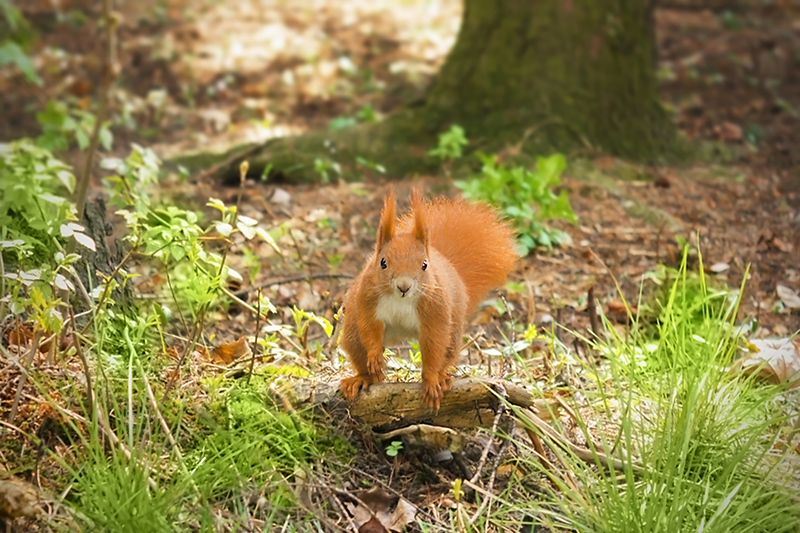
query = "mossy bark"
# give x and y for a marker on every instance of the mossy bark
(542, 74)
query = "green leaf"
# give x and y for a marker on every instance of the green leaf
(248, 231)
(261, 232)
(12, 54)
(85, 241)
(551, 167)
(82, 138)
(340, 123)
(216, 204)
(224, 228)
(177, 251)
(67, 178)
(106, 138)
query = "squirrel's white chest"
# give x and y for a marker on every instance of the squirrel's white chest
(399, 317)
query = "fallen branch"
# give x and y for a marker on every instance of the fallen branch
(469, 403)
(529, 418)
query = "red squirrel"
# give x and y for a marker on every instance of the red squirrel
(430, 270)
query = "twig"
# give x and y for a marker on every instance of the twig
(513, 340)
(591, 306)
(495, 464)
(299, 251)
(287, 405)
(109, 75)
(338, 503)
(162, 422)
(353, 497)
(253, 310)
(382, 482)
(23, 377)
(82, 289)
(501, 408)
(255, 340)
(175, 299)
(75, 416)
(486, 493)
(538, 448)
(79, 349)
(528, 417)
(616, 283)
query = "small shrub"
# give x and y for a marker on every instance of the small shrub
(525, 196)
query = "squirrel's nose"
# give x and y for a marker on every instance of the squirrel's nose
(403, 285)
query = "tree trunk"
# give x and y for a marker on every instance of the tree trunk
(571, 72)
(542, 74)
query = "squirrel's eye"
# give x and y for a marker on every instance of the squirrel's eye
(424, 265)
(383, 263)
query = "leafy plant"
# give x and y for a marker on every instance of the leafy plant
(18, 38)
(61, 124)
(365, 114)
(394, 448)
(32, 188)
(376, 167)
(133, 176)
(36, 221)
(325, 168)
(451, 144)
(525, 196)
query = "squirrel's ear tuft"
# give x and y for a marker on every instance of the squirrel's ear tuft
(419, 210)
(386, 226)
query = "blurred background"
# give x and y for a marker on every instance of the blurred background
(211, 74)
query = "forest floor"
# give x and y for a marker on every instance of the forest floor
(204, 75)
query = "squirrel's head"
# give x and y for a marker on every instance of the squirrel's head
(401, 259)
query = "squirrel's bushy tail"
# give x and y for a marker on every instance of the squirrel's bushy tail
(480, 246)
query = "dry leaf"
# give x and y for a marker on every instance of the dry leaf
(228, 352)
(173, 352)
(663, 181)
(788, 297)
(729, 132)
(616, 310)
(716, 268)
(280, 196)
(20, 336)
(504, 471)
(383, 511)
(775, 360)
(781, 246)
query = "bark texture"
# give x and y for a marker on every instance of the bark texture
(571, 72)
(543, 75)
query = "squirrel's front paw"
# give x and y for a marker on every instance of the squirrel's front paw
(352, 385)
(375, 367)
(433, 391)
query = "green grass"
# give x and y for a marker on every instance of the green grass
(238, 455)
(247, 449)
(697, 443)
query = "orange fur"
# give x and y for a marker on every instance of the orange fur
(430, 270)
